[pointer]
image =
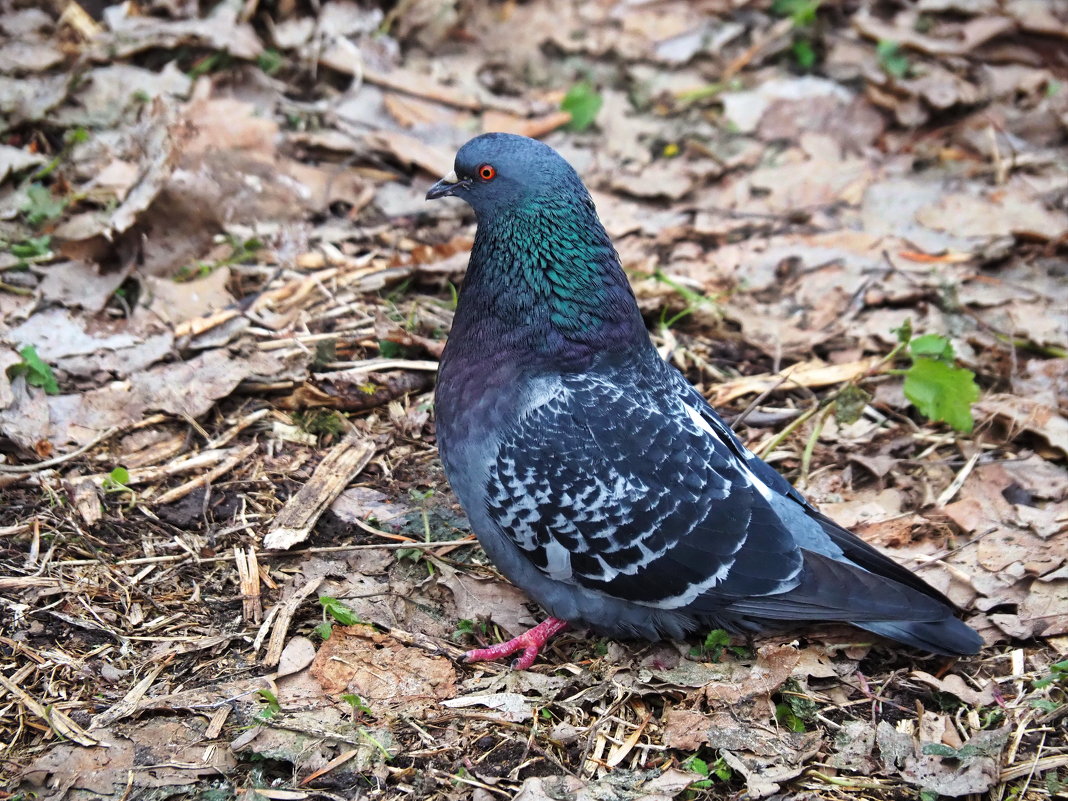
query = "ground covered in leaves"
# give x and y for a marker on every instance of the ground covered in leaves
(229, 562)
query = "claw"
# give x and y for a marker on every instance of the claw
(529, 642)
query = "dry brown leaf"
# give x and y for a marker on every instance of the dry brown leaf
(1045, 609)
(482, 599)
(218, 31)
(774, 665)
(804, 374)
(174, 749)
(956, 686)
(175, 302)
(906, 33)
(669, 179)
(409, 150)
(357, 659)
(1004, 547)
(511, 707)
(297, 654)
(411, 112)
(1027, 414)
(16, 159)
(355, 391)
(954, 777)
(189, 388)
(617, 784)
(996, 213)
(742, 735)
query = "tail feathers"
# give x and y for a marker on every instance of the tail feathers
(949, 637)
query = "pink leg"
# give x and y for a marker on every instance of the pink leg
(529, 642)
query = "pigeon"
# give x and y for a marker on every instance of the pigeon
(596, 477)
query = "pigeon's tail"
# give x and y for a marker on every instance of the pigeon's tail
(949, 637)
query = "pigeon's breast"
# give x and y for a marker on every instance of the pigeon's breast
(473, 405)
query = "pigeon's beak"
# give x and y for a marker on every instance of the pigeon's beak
(446, 187)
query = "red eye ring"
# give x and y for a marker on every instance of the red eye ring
(487, 172)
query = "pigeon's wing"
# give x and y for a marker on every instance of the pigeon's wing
(635, 496)
(633, 499)
(825, 536)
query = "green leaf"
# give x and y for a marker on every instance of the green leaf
(891, 59)
(583, 102)
(32, 247)
(76, 136)
(903, 331)
(722, 769)
(320, 422)
(40, 205)
(803, 707)
(850, 404)
(942, 392)
(270, 61)
(932, 346)
(463, 627)
(356, 703)
(389, 350)
(696, 765)
(715, 641)
(1045, 704)
(120, 475)
(324, 630)
(802, 12)
(325, 352)
(272, 708)
(339, 612)
(787, 718)
(38, 374)
(804, 54)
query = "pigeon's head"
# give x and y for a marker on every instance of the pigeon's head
(499, 172)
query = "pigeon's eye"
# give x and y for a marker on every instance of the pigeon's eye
(486, 172)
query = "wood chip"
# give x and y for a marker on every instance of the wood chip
(86, 499)
(218, 720)
(535, 128)
(236, 458)
(128, 705)
(343, 463)
(248, 570)
(57, 719)
(283, 617)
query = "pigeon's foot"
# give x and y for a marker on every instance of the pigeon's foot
(529, 642)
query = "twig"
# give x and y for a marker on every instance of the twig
(958, 480)
(56, 718)
(773, 443)
(389, 546)
(756, 402)
(205, 478)
(810, 446)
(33, 468)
